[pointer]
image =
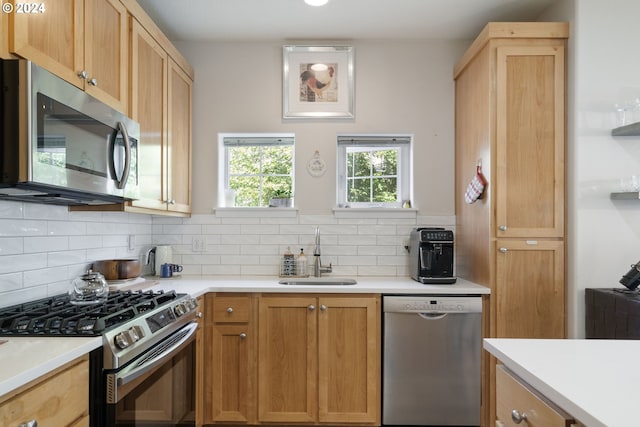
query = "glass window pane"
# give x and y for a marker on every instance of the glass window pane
(277, 160)
(384, 190)
(385, 162)
(359, 163)
(359, 190)
(247, 190)
(244, 160)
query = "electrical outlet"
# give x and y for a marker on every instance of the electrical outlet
(131, 242)
(197, 244)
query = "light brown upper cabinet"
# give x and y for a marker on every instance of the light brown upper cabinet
(161, 103)
(84, 42)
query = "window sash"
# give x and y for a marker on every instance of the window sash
(370, 143)
(231, 141)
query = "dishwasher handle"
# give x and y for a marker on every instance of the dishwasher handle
(433, 316)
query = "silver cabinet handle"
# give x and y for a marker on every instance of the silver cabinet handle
(93, 82)
(199, 315)
(32, 423)
(171, 202)
(243, 336)
(323, 307)
(503, 250)
(503, 228)
(517, 417)
(229, 310)
(312, 307)
(83, 75)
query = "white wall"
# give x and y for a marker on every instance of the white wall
(404, 87)
(603, 235)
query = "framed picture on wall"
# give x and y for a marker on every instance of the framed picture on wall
(318, 82)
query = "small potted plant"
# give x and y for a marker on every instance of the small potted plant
(281, 198)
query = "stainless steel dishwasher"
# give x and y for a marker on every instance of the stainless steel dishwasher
(431, 360)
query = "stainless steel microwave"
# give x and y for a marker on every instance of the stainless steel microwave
(60, 145)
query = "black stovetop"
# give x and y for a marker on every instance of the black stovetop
(57, 316)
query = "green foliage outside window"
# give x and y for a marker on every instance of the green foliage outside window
(260, 172)
(372, 175)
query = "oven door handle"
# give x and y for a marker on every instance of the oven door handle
(148, 364)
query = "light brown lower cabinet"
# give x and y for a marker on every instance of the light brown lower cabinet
(60, 399)
(292, 358)
(519, 404)
(230, 354)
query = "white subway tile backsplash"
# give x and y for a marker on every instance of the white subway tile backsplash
(11, 245)
(12, 227)
(84, 242)
(13, 210)
(71, 228)
(43, 247)
(9, 282)
(45, 244)
(44, 276)
(18, 263)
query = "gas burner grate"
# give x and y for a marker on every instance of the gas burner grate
(57, 316)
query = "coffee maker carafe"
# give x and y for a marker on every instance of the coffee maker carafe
(431, 255)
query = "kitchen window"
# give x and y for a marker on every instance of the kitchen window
(374, 171)
(257, 168)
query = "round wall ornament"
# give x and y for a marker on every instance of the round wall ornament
(316, 166)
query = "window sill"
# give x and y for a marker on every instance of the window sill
(375, 212)
(256, 212)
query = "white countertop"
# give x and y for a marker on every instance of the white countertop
(25, 359)
(595, 381)
(198, 285)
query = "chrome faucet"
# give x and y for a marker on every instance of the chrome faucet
(318, 268)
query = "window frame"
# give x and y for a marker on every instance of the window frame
(251, 139)
(402, 142)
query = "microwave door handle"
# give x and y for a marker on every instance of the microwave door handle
(127, 156)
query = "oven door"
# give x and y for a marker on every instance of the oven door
(158, 388)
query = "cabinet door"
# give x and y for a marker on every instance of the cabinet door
(231, 394)
(53, 39)
(179, 140)
(148, 107)
(287, 359)
(106, 51)
(530, 289)
(59, 400)
(530, 143)
(349, 360)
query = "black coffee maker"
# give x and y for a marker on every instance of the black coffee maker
(431, 255)
(632, 279)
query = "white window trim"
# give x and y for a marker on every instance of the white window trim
(223, 164)
(405, 176)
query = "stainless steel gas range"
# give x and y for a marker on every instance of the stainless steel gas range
(144, 372)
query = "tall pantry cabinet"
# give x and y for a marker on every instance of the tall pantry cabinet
(510, 123)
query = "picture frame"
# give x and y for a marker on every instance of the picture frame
(318, 82)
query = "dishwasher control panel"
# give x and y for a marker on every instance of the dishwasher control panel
(432, 304)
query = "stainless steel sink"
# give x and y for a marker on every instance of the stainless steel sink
(319, 281)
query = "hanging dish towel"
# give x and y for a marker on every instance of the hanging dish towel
(476, 186)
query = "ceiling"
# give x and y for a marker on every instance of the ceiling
(251, 20)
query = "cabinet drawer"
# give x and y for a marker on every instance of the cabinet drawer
(513, 394)
(61, 400)
(231, 309)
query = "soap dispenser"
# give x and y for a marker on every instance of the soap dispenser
(301, 264)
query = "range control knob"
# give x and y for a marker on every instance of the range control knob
(180, 309)
(126, 338)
